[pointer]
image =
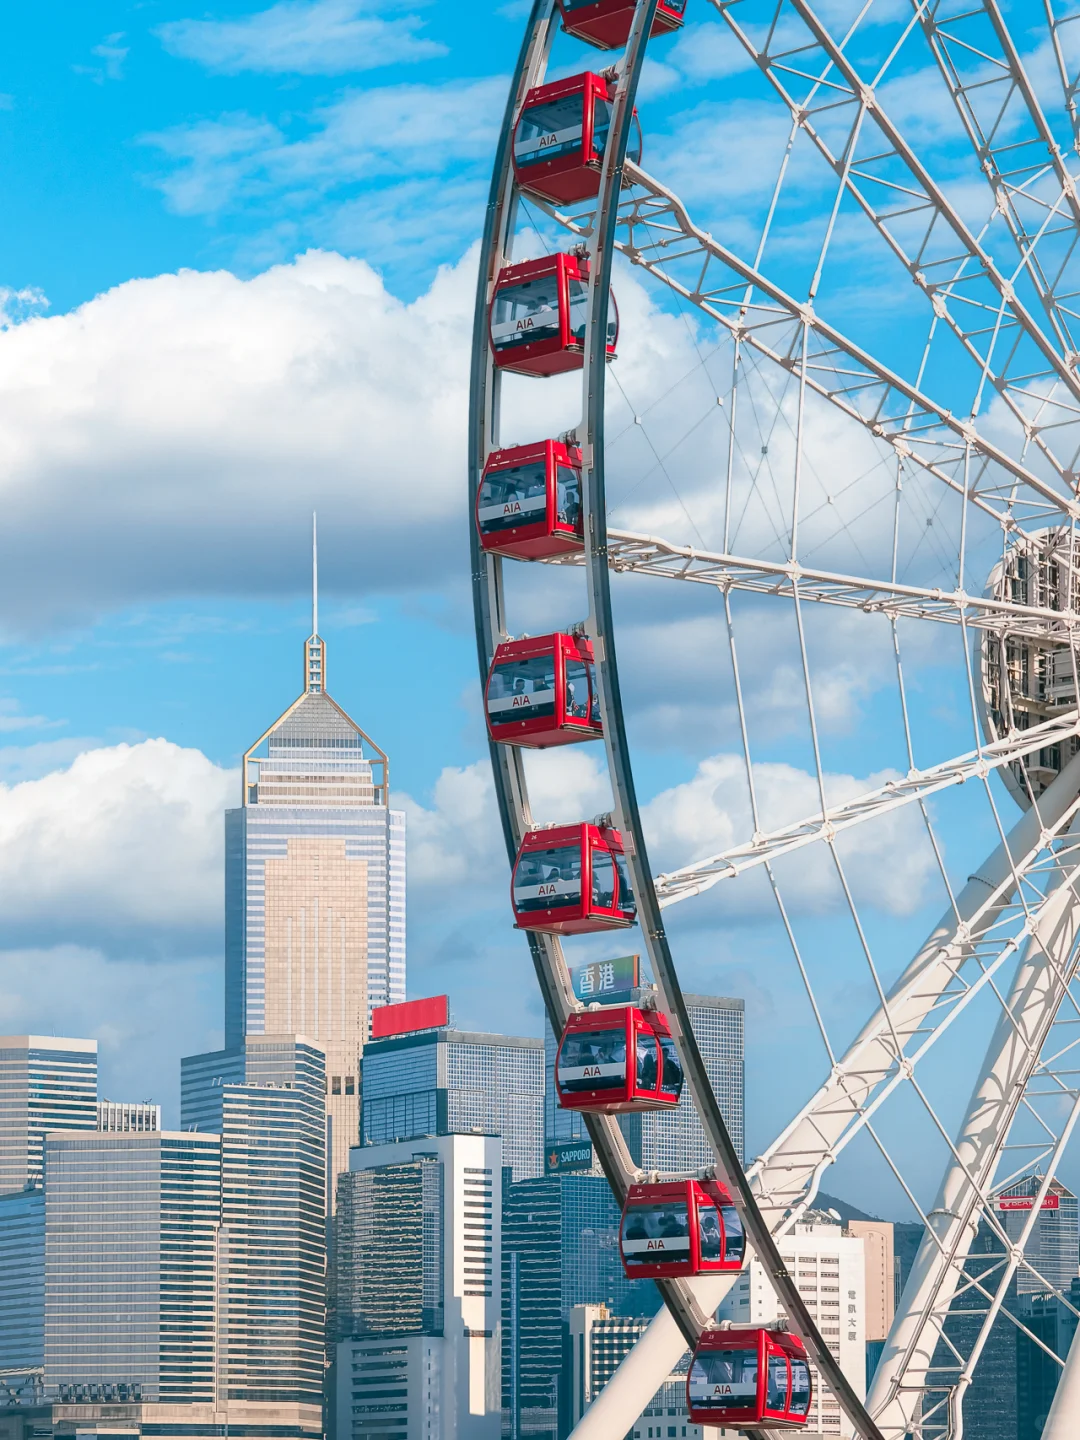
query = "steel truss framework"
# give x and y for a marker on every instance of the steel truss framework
(1009, 936)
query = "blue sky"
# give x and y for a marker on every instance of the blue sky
(236, 282)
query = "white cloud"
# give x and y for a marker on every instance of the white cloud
(31, 762)
(112, 54)
(888, 861)
(303, 37)
(457, 841)
(125, 846)
(144, 1016)
(172, 435)
(403, 132)
(12, 718)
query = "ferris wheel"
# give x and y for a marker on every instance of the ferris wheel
(864, 442)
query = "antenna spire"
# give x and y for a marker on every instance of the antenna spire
(314, 649)
(314, 574)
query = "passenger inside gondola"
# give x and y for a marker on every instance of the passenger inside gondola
(567, 495)
(529, 311)
(582, 701)
(603, 879)
(724, 1380)
(593, 1060)
(548, 879)
(648, 1063)
(672, 1080)
(579, 313)
(734, 1235)
(626, 894)
(656, 1232)
(522, 689)
(709, 1233)
(509, 498)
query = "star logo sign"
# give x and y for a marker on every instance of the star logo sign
(553, 1158)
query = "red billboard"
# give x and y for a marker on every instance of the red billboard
(1026, 1202)
(429, 1014)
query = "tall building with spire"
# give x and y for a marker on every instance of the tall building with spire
(315, 891)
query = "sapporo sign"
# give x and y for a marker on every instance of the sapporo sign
(562, 1158)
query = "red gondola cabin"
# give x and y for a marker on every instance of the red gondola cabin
(758, 1378)
(561, 135)
(542, 691)
(538, 315)
(528, 505)
(680, 1227)
(618, 1059)
(571, 879)
(606, 23)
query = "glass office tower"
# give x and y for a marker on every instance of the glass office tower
(560, 1250)
(388, 1246)
(315, 892)
(22, 1279)
(457, 1082)
(46, 1083)
(419, 1233)
(107, 1277)
(130, 1230)
(265, 1098)
(1054, 1244)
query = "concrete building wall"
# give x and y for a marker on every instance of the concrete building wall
(392, 1387)
(877, 1238)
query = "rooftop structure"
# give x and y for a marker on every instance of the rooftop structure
(139, 1116)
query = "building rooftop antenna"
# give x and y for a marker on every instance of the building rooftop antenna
(314, 574)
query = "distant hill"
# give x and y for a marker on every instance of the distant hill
(843, 1209)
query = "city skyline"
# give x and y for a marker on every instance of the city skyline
(745, 643)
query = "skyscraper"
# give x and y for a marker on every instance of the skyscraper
(264, 1098)
(1052, 1248)
(389, 1249)
(108, 1276)
(670, 1140)
(560, 1250)
(443, 1081)
(418, 1239)
(22, 1279)
(315, 891)
(130, 1230)
(46, 1083)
